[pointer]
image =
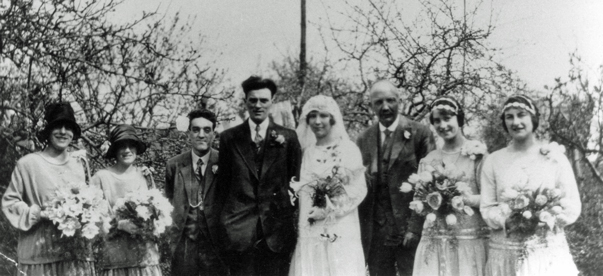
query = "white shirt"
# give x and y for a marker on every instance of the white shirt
(205, 159)
(391, 128)
(263, 129)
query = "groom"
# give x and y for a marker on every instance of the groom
(257, 161)
(391, 151)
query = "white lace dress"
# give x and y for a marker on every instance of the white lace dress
(528, 170)
(314, 253)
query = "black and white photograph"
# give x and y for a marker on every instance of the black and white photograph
(301, 138)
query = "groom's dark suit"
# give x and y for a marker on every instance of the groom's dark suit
(385, 216)
(258, 216)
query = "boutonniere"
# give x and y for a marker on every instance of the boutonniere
(214, 169)
(406, 134)
(276, 139)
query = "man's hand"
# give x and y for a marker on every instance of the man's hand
(409, 239)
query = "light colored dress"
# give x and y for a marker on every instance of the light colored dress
(528, 170)
(41, 249)
(125, 256)
(313, 254)
(461, 250)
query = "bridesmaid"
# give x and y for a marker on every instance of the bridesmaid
(35, 179)
(123, 255)
(525, 164)
(460, 251)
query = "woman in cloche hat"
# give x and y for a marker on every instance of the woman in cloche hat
(41, 249)
(124, 255)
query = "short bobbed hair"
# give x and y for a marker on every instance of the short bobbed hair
(331, 118)
(525, 101)
(452, 103)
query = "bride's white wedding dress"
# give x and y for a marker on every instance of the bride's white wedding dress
(339, 253)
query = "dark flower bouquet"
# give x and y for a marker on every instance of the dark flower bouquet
(328, 192)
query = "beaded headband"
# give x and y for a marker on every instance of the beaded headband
(529, 107)
(454, 108)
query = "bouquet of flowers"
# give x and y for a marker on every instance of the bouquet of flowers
(531, 211)
(149, 210)
(328, 191)
(438, 193)
(78, 210)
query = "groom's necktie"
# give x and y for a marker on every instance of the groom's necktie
(258, 138)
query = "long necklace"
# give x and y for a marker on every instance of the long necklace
(442, 152)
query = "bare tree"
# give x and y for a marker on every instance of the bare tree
(143, 72)
(444, 51)
(575, 117)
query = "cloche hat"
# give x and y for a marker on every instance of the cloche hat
(57, 114)
(121, 134)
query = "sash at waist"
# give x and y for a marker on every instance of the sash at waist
(461, 234)
(532, 243)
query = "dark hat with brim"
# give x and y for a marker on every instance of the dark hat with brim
(60, 114)
(121, 134)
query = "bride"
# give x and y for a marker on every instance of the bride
(331, 186)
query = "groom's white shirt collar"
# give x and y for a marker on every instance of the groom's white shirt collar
(391, 128)
(263, 128)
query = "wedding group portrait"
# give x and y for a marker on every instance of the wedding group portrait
(375, 137)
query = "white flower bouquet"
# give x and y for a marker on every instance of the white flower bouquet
(438, 193)
(78, 210)
(149, 210)
(531, 211)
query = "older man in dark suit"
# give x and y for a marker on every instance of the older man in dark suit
(257, 161)
(391, 151)
(191, 184)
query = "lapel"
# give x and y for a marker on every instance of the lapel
(270, 153)
(209, 175)
(243, 145)
(186, 169)
(399, 140)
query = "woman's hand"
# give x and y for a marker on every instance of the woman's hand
(128, 226)
(36, 213)
(317, 214)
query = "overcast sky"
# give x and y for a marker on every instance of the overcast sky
(535, 36)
